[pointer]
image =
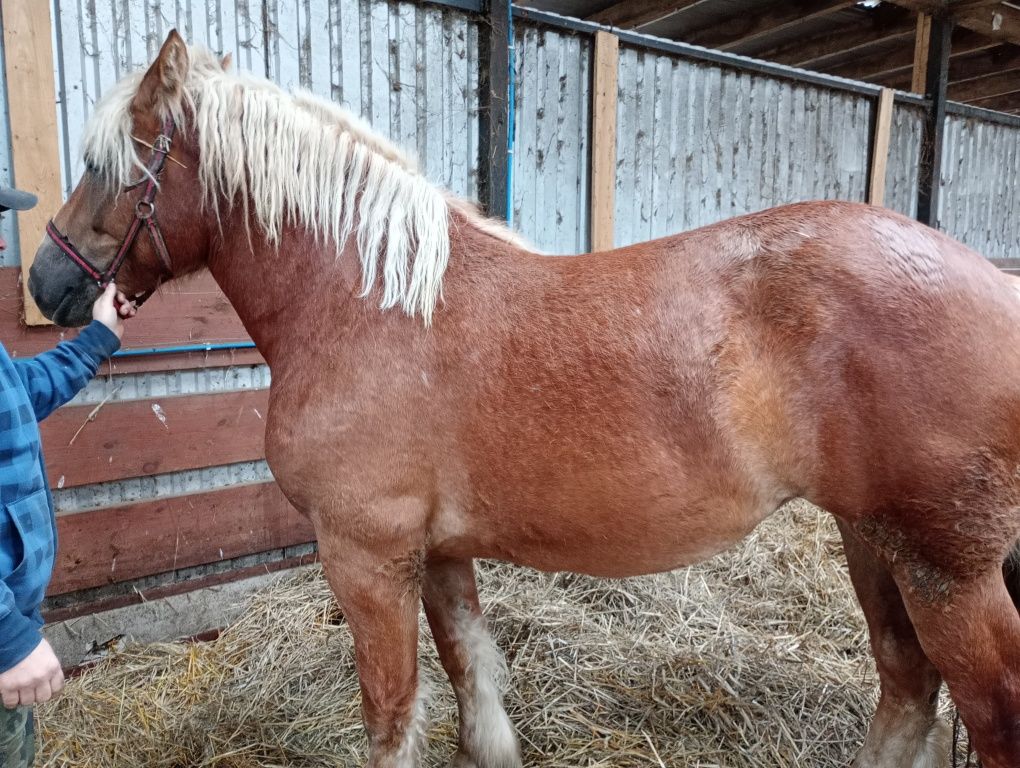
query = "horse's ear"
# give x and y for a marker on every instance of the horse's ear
(226, 61)
(164, 81)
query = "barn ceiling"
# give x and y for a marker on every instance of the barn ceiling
(877, 41)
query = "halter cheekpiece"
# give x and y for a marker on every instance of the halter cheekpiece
(145, 214)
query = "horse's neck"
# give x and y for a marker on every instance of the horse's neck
(302, 290)
(284, 293)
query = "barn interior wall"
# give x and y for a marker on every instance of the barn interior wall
(696, 142)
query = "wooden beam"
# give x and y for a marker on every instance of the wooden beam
(31, 100)
(745, 29)
(134, 439)
(880, 147)
(893, 66)
(921, 41)
(930, 165)
(1000, 23)
(1007, 103)
(494, 112)
(603, 151)
(998, 84)
(887, 25)
(995, 19)
(631, 14)
(997, 59)
(107, 546)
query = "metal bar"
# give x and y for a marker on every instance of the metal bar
(967, 110)
(471, 6)
(494, 87)
(732, 60)
(936, 80)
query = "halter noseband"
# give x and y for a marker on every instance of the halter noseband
(145, 214)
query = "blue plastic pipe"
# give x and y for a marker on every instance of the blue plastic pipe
(183, 348)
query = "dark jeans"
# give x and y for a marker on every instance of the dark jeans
(17, 737)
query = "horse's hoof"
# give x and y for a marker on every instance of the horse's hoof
(463, 760)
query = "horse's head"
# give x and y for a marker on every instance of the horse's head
(135, 213)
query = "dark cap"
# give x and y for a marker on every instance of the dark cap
(15, 199)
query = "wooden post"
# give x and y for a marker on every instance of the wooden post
(921, 38)
(494, 130)
(31, 99)
(936, 77)
(603, 151)
(880, 147)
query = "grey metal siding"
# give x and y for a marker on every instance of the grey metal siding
(412, 70)
(904, 157)
(551, 138)
(980, 200)
(698, 143)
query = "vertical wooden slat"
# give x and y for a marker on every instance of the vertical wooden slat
(34, 140)
(921, 38)
(603, 152)
(880, 147)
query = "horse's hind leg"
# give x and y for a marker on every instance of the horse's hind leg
(972, 634)
(379, 597)
(474, 664)
(906, 731)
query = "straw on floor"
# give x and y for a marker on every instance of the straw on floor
(757, 658)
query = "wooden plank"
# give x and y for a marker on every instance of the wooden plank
(88, 606)
(998, 20)
(632, 14)
(921, 38)
(930, 166)
(894, 67)
(129, 439)
(31, 101)
(1008, 103)
(880, 147)
(190, 312)
(750, 27)
(603, 149)
(889, 25)
(997, 84)
(108, 546)
(494, 92)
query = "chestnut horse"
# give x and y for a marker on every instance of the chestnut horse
(441, 393)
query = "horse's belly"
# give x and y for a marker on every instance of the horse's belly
(606, 540)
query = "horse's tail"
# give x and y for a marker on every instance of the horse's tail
(1011, 572)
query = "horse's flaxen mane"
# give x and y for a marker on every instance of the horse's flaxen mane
(256, 144)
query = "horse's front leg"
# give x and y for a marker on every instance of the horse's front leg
(378, 589)
(474, 664)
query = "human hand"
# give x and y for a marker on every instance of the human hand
(110, 309)
(33, 680)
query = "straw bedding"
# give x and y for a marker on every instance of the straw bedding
(758, 657)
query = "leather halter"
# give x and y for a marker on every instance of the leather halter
(145, 215)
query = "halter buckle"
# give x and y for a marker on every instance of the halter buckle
(162, 144)
(145, 209)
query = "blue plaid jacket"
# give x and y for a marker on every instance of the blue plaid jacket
(30, 390)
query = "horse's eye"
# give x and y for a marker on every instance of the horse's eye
(90, 166)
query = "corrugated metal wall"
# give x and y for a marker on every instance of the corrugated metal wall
(551, 138)
(980, 201)
(412, 70)
(698, 143)
(904, 157)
